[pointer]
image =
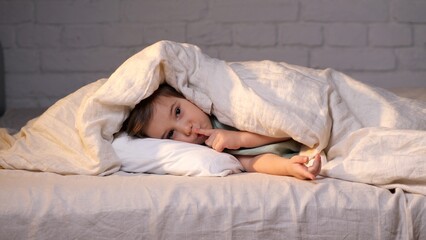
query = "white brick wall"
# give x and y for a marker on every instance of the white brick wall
(53, 47)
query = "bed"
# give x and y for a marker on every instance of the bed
(85, 199)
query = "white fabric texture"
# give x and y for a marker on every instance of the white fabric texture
(239, 206)
(161, 156)
(322, 109)
(52, 143)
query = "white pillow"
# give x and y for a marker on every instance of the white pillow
(162, 156)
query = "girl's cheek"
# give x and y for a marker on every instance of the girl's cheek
(180, 137)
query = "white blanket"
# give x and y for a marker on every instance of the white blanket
(360, 128)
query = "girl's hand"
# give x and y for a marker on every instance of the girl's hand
(219, 139)
(315, 168)
(298, 168)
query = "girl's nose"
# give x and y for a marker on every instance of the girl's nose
(185, 129)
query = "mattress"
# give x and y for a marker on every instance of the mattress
(240, 206)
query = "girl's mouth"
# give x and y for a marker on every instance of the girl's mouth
(201, 138)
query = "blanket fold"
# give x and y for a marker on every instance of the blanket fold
(324, 110)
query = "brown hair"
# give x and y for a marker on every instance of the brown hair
(139, 117)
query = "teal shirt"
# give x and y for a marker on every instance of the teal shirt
(285, 149)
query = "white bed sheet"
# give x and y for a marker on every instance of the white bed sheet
(240, 206)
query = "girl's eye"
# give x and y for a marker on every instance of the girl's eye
(177, 111)
(170, 134)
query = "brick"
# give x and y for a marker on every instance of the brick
(123, 34)
(253, 10)
(297, 56)
(83, 60)
(353, 59)
(81, 11)
(7, 36)
(409, 11)
(412, 58)
(21, 60)
(162, 31)
(346, 34)
(46, 88)
(255, 35)
(345, 10)
(16, 11)
(209, 33)
(21, 102)
(210, 51)
(390, 35)
(392, 79)
(56, 85)
(82, 36)
(27, 102)
(163, 11)
(420, 35)
(43, 36)
(308, 34)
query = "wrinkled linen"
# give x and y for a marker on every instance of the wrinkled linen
(241, 206)
(323, 109)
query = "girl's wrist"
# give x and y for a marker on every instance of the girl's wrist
(242, 139)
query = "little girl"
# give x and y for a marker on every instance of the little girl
(167, 114)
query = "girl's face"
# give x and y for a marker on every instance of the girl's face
(175, 118)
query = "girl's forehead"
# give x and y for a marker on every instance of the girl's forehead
(162, 101)
(164, 104)
(165, 99)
